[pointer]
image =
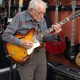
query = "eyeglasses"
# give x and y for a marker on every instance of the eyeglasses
(40, 14)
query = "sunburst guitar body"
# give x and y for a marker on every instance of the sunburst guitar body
(19, 54)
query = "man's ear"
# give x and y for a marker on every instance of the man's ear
(30, 9)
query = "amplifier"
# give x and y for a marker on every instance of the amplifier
(9, 74)
(50, 65)
(64, 72)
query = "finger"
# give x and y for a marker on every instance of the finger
(52, 25)
(28, 46)
(57, 24)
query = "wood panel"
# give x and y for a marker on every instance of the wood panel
(66, 31)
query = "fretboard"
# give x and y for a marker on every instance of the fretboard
(9, 9)
(56, 15)
(46, 32)
(73, 23)
(20, 6)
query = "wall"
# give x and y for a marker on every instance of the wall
(66, 31)
(66, 28)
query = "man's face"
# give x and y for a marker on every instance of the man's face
(38, 13)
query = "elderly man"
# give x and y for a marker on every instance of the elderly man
(33, 17)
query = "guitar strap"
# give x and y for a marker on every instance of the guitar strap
(11, 69)
(58, 38)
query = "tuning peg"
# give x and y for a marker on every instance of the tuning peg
(78, 17)
(63, 8)
(68, 11)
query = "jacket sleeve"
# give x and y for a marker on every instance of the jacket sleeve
(50, 37)
(11, 29)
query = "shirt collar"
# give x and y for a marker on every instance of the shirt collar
(28, 16)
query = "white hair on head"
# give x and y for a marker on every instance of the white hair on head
(34, 4)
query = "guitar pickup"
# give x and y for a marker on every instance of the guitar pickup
(72, 57)
(34, 39)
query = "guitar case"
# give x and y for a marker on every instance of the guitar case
(58, 71)
(9, 74)
(64, 72)
(53, 63)
(50, 65)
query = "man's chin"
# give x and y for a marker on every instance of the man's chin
(38, 19)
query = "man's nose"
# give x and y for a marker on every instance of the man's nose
(42, 16)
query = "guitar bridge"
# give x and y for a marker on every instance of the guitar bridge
(9, 55)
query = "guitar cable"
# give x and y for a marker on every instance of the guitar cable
(11, 68)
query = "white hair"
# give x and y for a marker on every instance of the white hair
(34, 4)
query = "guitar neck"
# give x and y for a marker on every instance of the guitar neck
(56, 15)
(46, 32)
(73, 32)
(19, 10)
(57, 4)
(20, 6)
(9, 15)
(73, 23)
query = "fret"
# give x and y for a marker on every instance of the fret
(56, 15)
(73, 23)
(9, 8)
(64, 21)
(57, 4)
(20, 5)
(46, 32)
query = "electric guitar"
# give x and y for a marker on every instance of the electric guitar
(20, 5)
(19, 54)
(77, 60)
(71, 48)
(56, 46)
(9, 11)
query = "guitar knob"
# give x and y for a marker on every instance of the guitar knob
(19, 59)
(78, 56)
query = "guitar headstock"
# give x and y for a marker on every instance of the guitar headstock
(76, 14)
(57, 4)
(20, 1)
(73, 4)
(20, 5)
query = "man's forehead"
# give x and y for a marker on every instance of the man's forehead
(40, 5)
(41, 8)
